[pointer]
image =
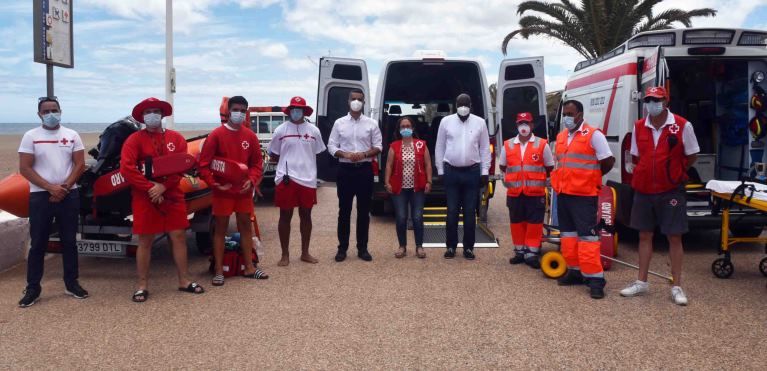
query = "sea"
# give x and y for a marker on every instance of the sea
(19, 128)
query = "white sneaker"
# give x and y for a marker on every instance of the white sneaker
(635, 288)
(677, 294)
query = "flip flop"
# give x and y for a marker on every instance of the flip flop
(140, 294)
(192, 288)
(257, 275)
(218, 280)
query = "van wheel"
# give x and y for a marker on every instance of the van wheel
(378, 207)
(748, 232)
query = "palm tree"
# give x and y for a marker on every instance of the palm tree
(597, 26)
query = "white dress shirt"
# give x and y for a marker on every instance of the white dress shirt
(350, 135)
(598, 142)
(548, 157)
(462, 144)
(689, 140)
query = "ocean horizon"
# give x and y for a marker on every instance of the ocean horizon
(94, 127)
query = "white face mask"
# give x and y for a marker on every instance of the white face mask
(524, 130)
(153, 120)
(569, 122)
(356, 105)
(463, 111)
(654, 108)
(296, 114)
(51, 120)
(237, 118)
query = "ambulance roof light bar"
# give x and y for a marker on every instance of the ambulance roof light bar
(697, 37)
(656, 39)
(753, 39)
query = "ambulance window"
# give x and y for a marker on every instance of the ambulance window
(519, 72)
(516, 100)
(347, 72)
(263, 124)
(254, 122)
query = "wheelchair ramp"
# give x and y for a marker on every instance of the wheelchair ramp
(435, 230)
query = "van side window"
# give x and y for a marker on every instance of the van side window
(347, 72)
(519, 72)
(263, 124)
(516, 100)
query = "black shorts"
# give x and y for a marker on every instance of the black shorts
(667, 210)
(577, 214)
(526, 209)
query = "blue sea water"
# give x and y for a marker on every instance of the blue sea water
(19, 128)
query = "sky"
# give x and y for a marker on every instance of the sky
(266, 50)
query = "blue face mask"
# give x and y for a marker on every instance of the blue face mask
(406, 133)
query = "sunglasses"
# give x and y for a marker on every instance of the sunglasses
(54, 99)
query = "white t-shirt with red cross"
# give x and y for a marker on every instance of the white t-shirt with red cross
(53, 151)
(297, 146)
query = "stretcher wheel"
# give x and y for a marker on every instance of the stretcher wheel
(722, 268)
(553, 264)
(763, 266)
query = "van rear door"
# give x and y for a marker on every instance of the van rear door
(337, 78)
(521, 88)
(654, 72)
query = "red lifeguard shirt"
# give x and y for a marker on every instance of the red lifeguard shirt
(237, 145)
(143, 144)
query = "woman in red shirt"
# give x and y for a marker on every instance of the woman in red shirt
(408, 179)
(158, 204)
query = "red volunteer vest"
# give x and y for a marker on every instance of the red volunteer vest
(525, 175)
(660, 168)
(419, 147)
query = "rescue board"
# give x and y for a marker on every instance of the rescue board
(229, 171)
(113, 182)
(606, 212)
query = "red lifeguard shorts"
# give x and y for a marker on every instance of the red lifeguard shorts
(149, 218)
(291, 195)
(225, 206)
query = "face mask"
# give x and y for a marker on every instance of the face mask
(463, 111)
(51, 120)
(237, 117)
(296, 114)
(406, 133)
(569, 122)
(356, 105)
(654, 108)
(524, 130)
(153, 120)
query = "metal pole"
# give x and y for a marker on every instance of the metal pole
(49, 79)
(670, 279)
(169, 59)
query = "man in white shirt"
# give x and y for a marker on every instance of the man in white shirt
(355, 140)
(52, 158)
(462, 157)
(295, 145)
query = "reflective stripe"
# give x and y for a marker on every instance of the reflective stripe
(532, 168)
(594, 275)
(581, 166)
(588, 238)
(535, 183)
(569, 234)
(513, 169)
(580, 156)
(574, 268)
(533, 249)
(512, 184)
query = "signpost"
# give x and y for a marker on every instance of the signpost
(53, 36)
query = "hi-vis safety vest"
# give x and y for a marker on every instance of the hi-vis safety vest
(578, 171)
(525, 175)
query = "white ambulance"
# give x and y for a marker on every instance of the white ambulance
(710, 75)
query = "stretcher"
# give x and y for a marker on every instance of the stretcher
(743, 195)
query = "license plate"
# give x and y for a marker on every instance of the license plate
(269, 168)
(90, 247)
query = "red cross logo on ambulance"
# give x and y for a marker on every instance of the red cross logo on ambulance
(245, 144)
(673, 129)
(171, 147)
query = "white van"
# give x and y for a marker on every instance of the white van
(710, 74)
(424, 87)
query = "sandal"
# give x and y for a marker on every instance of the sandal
(140, 296)
(218, 280)
(257, 275)
(193, 288)
(401, 253)
(420, 253)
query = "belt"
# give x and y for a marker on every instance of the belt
(462, 168)
(354, 165)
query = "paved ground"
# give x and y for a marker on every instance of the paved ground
(411, 313)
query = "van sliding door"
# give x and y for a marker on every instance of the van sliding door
(337, 78)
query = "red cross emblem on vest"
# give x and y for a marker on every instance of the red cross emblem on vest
(585, 132)
(245, 144)
(673, 129)
(64, 141)
(171, 147)
(536, 157)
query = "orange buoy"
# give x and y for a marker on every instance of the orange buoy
(14, 195)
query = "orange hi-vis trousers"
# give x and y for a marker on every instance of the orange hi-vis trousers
(527, 238)
(582, 253)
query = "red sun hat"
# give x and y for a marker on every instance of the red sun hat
(524, 117)
(656, 92)
(298, 102)
(138, 111)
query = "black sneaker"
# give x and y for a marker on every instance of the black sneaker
(365, 255)
(450, 253)
(517, 259)
(572, 277)
(340, 256)
(30, 298)
(468, 254)
(76, 290)
(596, 287)
(533, 261)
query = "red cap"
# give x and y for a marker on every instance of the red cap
(524, 117)
(138, 111)
(298, 102)
(656, 92)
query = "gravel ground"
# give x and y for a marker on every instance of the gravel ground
(389, 314)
